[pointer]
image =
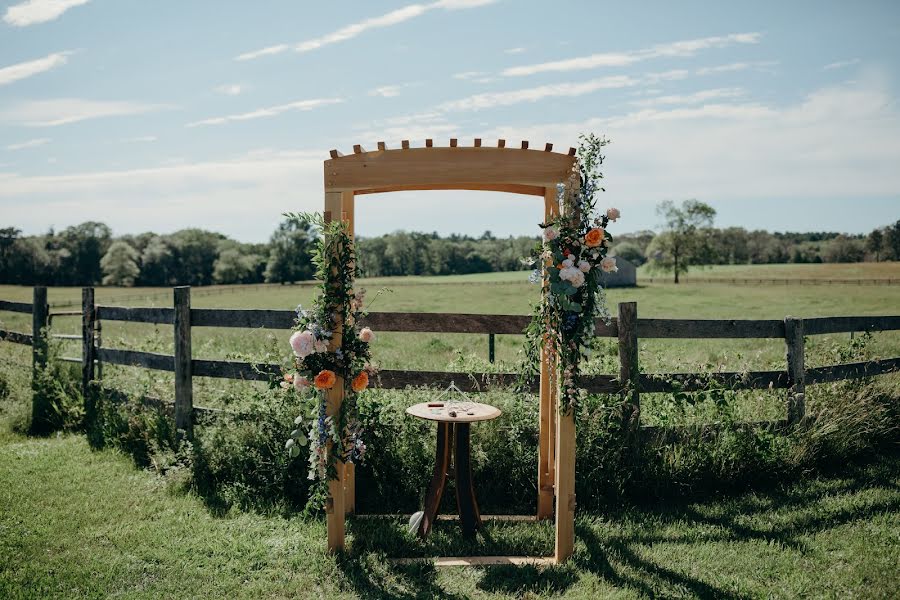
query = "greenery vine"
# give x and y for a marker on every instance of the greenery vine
(568, 263)
(329, 345)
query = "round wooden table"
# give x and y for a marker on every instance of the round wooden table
(453, 423)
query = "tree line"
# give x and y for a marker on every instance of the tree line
(89, 254)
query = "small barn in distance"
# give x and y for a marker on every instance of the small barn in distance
(626, 276)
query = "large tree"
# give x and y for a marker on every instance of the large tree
(681, 242)
(289, 254)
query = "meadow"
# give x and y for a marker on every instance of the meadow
(727, 518)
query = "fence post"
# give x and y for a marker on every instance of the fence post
(40, 412)
(793, 338)
(184, 394)
(628, 361)
(491, 348)
(88, 320)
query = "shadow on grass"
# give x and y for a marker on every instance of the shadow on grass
(615, 550)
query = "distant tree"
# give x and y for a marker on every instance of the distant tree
(875, 243)
(119, 264)
(195, 253)
(682, 241)
(289, 253)
(631, 252)
(234, 266)
(157, 262)
(892, 240)
(843, 249)
(84, 245)
(8, 238)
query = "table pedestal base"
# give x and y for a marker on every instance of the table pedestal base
(456, 435)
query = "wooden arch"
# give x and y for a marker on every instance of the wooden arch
(517, 170)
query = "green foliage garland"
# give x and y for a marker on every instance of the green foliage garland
(568, 263)
(321, 356)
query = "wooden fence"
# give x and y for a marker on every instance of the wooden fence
(627, 328)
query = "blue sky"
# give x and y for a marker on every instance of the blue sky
(164, 115)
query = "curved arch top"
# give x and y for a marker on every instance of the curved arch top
(513, 170)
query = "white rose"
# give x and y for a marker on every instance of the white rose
(572, 274)
(608, 265)
(584, 266)
(550, 234)
(577, 279)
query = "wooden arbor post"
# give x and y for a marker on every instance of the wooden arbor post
(516, 170)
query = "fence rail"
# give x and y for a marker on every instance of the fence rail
(627, 328)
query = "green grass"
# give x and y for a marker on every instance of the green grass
(881, 270)
(81, 524)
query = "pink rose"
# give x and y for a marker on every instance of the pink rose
(608, 265)
(321, 346)
(613, 213)
(300, 383)
(303, 343)
(550, 234)
(366, 335)
(584, 266)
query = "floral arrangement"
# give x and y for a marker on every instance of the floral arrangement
(569, 261)
(328, 343)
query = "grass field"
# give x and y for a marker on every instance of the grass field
(81, 524)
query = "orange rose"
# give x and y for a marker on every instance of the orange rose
(325, 379)
(594, 237)
(360, 382)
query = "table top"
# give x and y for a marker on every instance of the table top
(466, 412)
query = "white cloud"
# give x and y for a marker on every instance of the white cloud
(556, 90)
(33, 67)
(469, 75)
(517, 50)
(29, 144)
(61, 111)
(837, 143)
(737, 66)
(841, 64)
(695, 98)
(271, 111)
(233, 89)
(533, 94)
(142, 138)
(622, 59)
(388, 91)
(32, 12)
(347, 32)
